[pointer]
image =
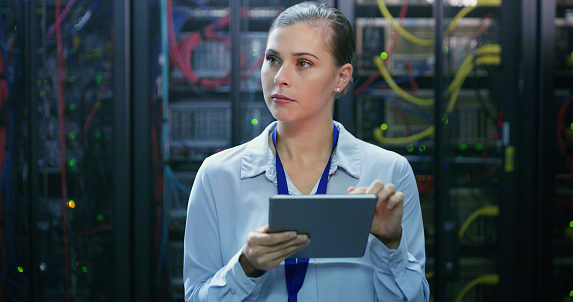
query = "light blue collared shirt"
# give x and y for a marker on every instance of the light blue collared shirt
(229, 199)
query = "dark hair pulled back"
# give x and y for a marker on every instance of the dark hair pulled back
(338, 32)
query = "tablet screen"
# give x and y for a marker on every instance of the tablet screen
(338, 225)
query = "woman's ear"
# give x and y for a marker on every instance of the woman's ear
(344, 76)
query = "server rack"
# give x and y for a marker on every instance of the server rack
(426, 71)
(213, 97)
(71, 161)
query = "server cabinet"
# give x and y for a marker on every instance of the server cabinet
(211, 100)
(66, 213)
(427, 72)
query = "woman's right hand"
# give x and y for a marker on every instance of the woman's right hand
(265, 251)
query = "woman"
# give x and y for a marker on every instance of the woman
(229, 254)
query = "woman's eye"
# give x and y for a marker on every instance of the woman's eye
(303, 63)
(272, 60)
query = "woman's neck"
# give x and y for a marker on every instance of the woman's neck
(304, 143)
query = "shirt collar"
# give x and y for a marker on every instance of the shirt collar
(258, 158)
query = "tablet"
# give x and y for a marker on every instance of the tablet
(338, 225)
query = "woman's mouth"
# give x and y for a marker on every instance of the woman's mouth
(281, 99)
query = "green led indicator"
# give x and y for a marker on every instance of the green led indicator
(255, 52)
(571, 224)
(43, 93)
(422, 148)
(445, 120)
(73, 51)
(572, 54)
(384, 55)
(73, 106)
(479, 146)
(73, 135)
(447, 49)
(84, 269)
(571, 293)
(99, 217)
(99, 79)
(38, 83)
(255, 121)
(15, 28)
(71, 79)
(98, 134)
(463, 147)
(383, 127)
(571, 126)
(410, 148)
(73, 162)
(20, 269)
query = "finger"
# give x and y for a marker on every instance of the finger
(375, 187)
(269, 257)
(264, 229)
(266, 239)
(388, 191)
(278, 256)
(396, 200)
(350, 189)
(359, 190)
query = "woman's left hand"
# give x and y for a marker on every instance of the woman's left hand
(386, 224)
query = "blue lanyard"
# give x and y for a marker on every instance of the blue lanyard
(295, 269)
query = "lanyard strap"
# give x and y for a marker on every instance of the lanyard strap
(295, 269)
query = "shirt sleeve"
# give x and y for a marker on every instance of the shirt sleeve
(205, 275)
(399, 274)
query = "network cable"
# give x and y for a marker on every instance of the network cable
(428, 42)
(485, 55)
(483, 211)
(489, 279)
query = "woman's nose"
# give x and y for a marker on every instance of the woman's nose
(282, 78)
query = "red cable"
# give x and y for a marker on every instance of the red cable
(63, 148)
(411, 77)
(560, 127)
(481, 26)
(376, 73)
(181, 52)
(405, 118)
(102, 88)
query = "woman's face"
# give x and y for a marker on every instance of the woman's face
(299, 76)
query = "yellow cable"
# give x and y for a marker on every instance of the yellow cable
(379, 136)
(483, 211)
(397, 89)
(490, 279)
(454, 89)
(429, 42)
(466, 10)
(404, 33)
(488, 60)
(463, 71)
(459, 78)
(488, 48)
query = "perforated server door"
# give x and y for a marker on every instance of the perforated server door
(66, 166)
(213, 98)
(442, 112)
